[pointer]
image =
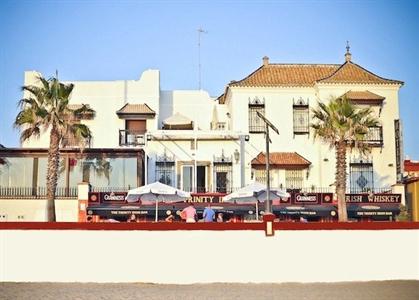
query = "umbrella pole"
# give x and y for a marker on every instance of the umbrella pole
(156, 219)
(257, 211)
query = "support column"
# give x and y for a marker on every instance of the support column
(83, 198)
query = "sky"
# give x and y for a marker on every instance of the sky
(118, 40)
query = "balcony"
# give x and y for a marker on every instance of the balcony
(131, 138)
(374, 136)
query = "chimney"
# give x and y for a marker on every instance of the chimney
(348, 55)
(265, 60)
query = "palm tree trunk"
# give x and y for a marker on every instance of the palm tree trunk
(341, 181)
(52, 173)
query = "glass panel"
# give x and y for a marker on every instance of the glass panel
(361, 178)
(165, 173)
(43, 169)
(104, 172)
(187, 179)
(16, 172)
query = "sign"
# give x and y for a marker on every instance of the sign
(206, 197)
(373, 198)
(397, 136)
(312, 198)
(100, 197)
(309, 198)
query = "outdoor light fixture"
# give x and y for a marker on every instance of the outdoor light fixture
(236, 156)
(149, 137)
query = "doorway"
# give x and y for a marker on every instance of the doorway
(201, 179)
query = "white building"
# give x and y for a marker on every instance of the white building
(197, 143)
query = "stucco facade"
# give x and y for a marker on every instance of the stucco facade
(214, 152)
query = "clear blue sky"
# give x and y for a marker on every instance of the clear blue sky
(111, 40)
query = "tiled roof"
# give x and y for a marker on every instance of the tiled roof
(136, 109)
(411, 166)
(363, 95)
(281, 159)
(353, 73)
(300, 75)
(274, 75)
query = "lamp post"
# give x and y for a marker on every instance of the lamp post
(268, 206)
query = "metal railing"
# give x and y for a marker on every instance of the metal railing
(131, 138)
(36, 192)
(374, 136)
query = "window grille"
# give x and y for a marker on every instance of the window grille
(361, 177)
(256, 124)
(294, 179)
(165, 170)
(223, 177)
(260, 176)
(301, 117)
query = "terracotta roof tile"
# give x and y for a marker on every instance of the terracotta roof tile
(274, 75)
(353, 73)
(136, 109)
(363, 95)
(281, 159)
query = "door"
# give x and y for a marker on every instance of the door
(187, 178)
(221, 182)
(200, 179)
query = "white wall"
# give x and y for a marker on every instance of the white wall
(279, 110)
(194, 104)
(35, 210)
(106, 98)
(183, 257)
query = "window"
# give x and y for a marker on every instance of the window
(301, 117)
(294, 179)
(256, 124)
(361, 177)
(374, 136)
(165, 173)
(260, 176)
(187, 178)
(165, 170)
(223, 177)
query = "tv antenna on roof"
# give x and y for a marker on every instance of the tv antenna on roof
(200, 31)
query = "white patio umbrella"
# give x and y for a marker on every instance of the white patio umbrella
(254, 193)
(157, 192)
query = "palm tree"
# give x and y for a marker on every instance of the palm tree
(46, 107)
(341, 125)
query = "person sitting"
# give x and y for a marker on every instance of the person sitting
(189, 213)
(220, 218)
(132, 219)
(170, 217)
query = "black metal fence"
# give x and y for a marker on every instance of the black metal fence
(36, 193)
(61, 192)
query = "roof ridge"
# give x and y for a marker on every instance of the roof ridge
(303, 64)
(357, 66)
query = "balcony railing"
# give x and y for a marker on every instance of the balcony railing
(36, 192)
(374, 136)
(131, 138)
